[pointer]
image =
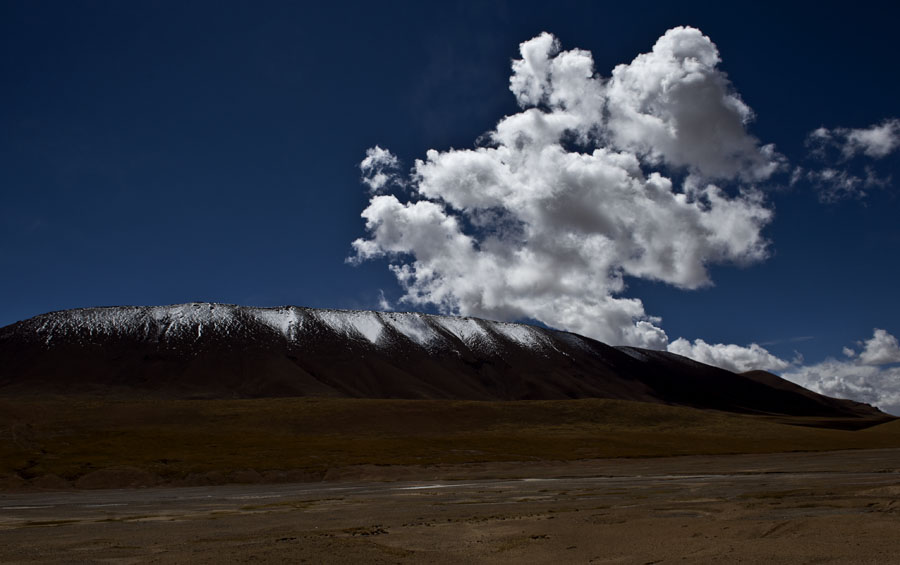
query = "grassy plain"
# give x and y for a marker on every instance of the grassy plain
(90, 442)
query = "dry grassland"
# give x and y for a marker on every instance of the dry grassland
(95, 443)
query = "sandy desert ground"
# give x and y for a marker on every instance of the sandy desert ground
(829, 507)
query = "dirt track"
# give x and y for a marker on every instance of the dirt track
(788, 508)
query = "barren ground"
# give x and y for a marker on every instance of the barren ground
(840, 506)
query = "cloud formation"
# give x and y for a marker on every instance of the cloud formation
(871, 375)
(838, 146)
(876, 141)
(836, 184)
(865, 377)
(728, 356)
(647, 173)
(881, 349)
(579, 190)
(863, 383)
(674, 105)
(378, 168)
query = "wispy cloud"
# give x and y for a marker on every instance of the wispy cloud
(876, 141)
(383, 303)
(796, 339)
(841, 178)
(379, 168)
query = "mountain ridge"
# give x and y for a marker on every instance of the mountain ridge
(209, 350)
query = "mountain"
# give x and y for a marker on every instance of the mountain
(202, 350)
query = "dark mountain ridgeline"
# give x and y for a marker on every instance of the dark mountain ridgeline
(204, 350)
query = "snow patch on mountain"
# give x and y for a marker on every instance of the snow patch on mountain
(192, 318)
(525, 336)
(287, 320)
(354, 323)
(467, 330)
(91, 322)
(412, 326)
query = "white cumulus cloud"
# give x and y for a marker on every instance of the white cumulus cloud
(674, 105)
(575, 192)
(728, 356)
(880, 349)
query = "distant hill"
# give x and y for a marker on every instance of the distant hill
(203, 350)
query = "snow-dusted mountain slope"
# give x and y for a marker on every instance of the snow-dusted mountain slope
(187, 323)
(221, 350)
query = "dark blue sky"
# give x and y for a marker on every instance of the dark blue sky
(165, 152)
